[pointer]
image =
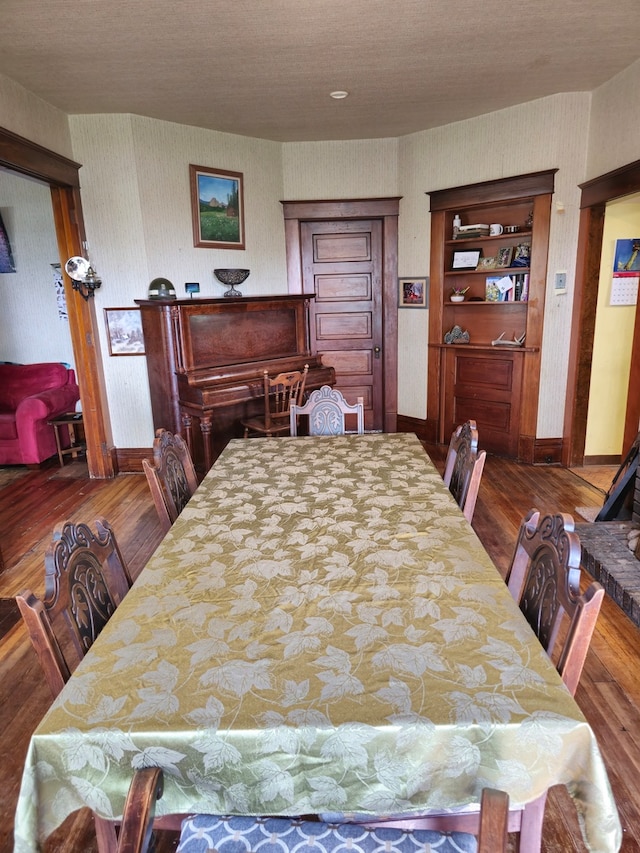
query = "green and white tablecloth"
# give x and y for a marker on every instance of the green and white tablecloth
(321, 630)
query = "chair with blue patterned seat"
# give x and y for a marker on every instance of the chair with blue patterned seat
(238, 834)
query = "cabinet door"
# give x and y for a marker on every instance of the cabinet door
(485, 387)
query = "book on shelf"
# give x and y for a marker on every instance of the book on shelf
(507, 288)
(522, 286)
(467, 232)
(499, 288)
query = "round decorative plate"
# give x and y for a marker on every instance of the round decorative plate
(77, 268)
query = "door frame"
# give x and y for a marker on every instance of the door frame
(595, 195)
(386, 210)
(27, 158)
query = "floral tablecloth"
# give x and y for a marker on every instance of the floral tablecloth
(320, 630)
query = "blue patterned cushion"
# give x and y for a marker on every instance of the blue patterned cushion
(205, 833)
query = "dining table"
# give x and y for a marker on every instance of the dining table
(321, 630)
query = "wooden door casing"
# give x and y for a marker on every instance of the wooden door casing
(24, 157)
(343, 261)
(342, 213)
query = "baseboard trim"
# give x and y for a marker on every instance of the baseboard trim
(611, 459)
(407, 424)
(129, 459)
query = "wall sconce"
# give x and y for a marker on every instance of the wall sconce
(83, 277)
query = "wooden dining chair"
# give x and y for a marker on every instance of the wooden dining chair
(86, 578)
(280, 393)
(327, 411)
(544, 578)
(292, 833)
(171, 476)
(464, 466)
(139, 811)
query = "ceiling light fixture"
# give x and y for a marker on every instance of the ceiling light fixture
(339, 95)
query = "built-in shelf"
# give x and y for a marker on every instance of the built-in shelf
(497, 386)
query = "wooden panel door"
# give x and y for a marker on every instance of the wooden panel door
(342, 265)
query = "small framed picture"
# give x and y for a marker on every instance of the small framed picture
(217, 208)
(412, 292)
(521, 255)
(487, 264)
(466, 260)
(124, 331)
(504, 256)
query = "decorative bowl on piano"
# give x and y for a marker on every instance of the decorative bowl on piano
(231, 277)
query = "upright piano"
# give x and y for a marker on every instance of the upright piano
(206, 359)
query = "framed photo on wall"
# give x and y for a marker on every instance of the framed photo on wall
(412, 292)
(124, 331)
(217, 208)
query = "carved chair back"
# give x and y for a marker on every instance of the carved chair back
(280, 393)
(464, 467)
(171, 476)
(86, 578)
(327, 411)
(544, 578)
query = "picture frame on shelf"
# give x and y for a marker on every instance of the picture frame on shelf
(124, 331)
(504, 257)
(217, 208)
(487, 263)
(467, 259)
(413, 292)
(521, 255)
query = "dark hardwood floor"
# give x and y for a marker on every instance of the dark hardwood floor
(609, 693)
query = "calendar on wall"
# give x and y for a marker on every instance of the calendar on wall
(626, 272)
(624, 289)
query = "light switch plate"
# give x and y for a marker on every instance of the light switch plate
(560, 285)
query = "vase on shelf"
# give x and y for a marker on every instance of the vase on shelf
(231, 277)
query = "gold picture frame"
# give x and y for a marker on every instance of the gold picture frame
(217, 208)
(487, 264)
(504, 256)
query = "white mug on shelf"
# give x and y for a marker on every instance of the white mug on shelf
(496, 229)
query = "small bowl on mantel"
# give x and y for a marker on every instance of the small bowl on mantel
(231, 277)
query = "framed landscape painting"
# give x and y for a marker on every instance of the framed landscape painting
(124, 331)
(217, 208)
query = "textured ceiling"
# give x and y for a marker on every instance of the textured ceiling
(264, 68)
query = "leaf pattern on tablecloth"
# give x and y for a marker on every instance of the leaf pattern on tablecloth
(320, 630)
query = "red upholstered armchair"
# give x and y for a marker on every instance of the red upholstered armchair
(30, 395)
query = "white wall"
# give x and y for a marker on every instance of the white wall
(31, 117)
(614, 132)
(31, 329)
(137, 211)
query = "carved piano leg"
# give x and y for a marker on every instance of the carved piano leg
(205, 429)
(187, 429)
